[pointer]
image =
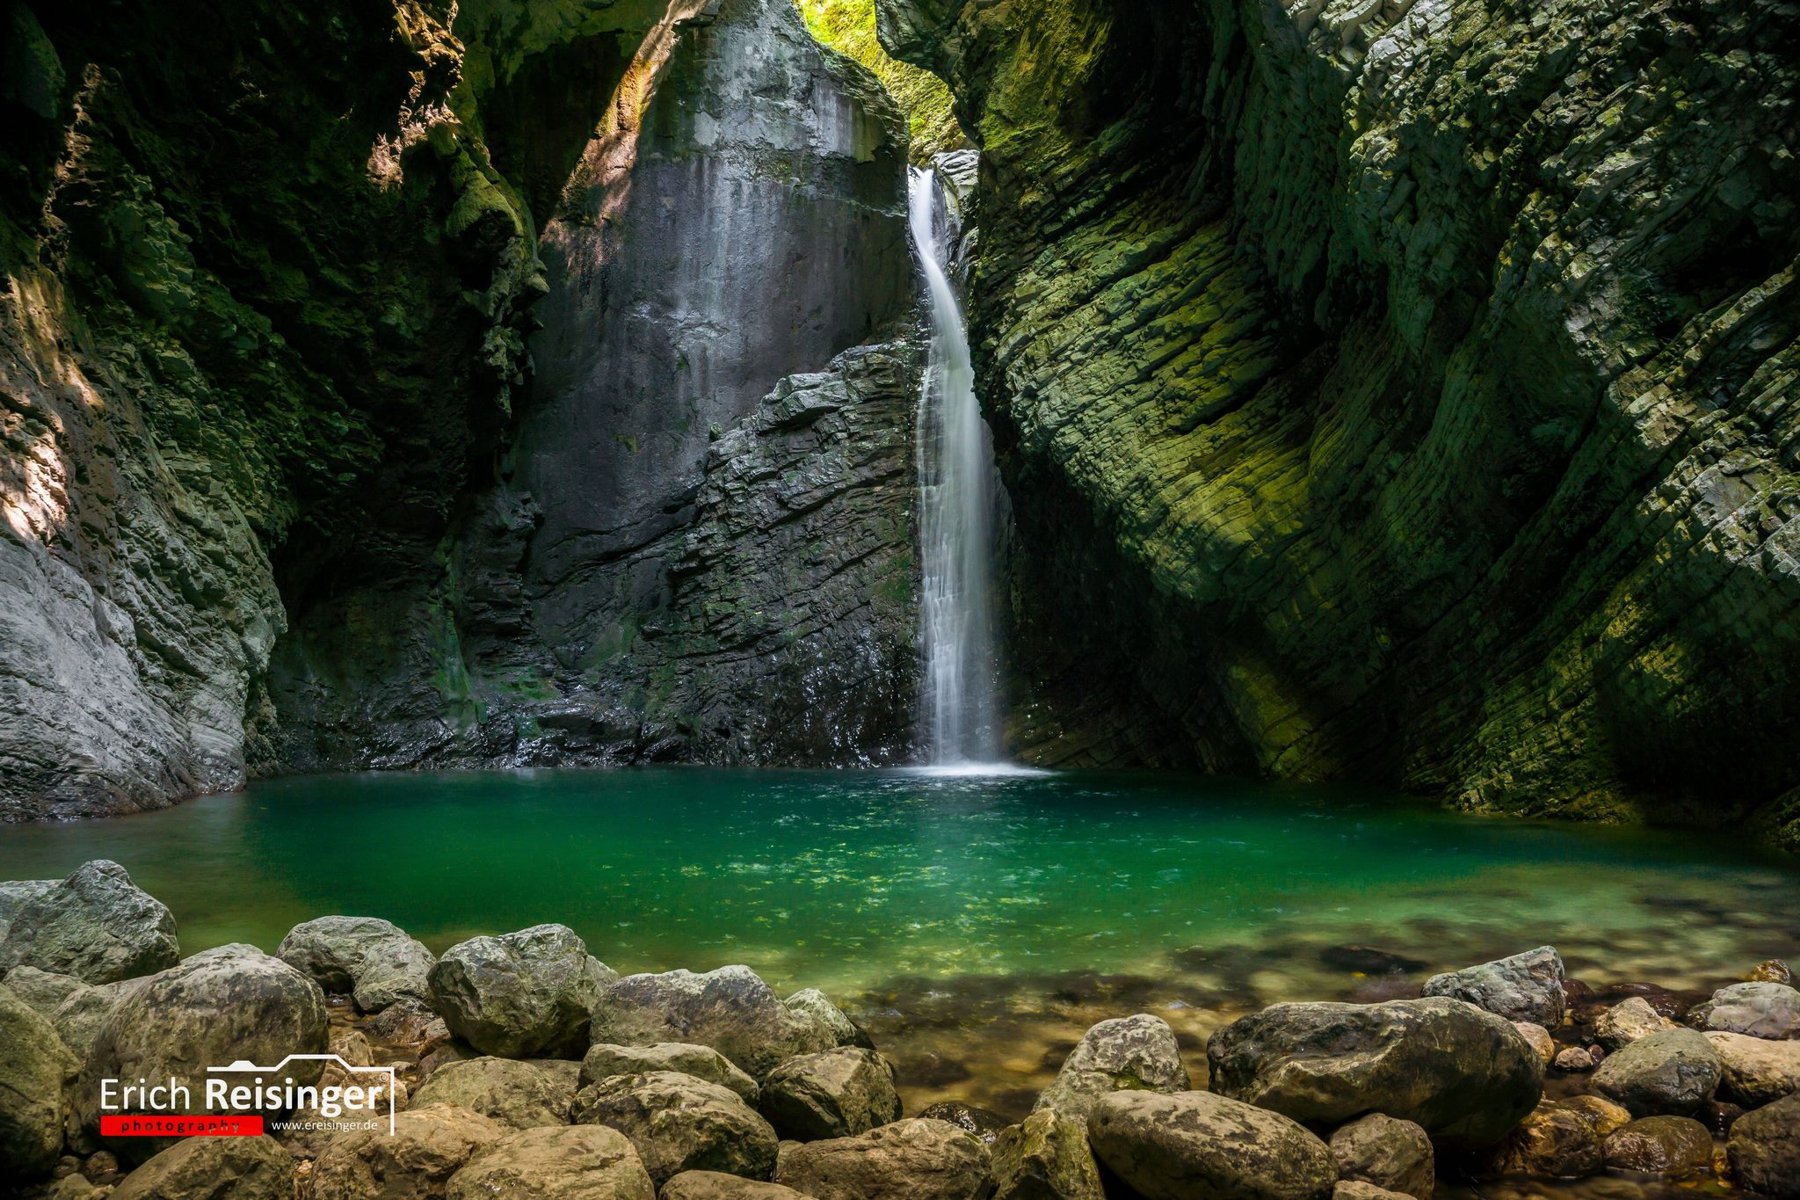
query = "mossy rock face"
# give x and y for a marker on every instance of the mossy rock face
(1394, 393)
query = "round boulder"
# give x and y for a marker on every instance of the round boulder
(522, 1095)
(730, 1009)
(243, 1168)
(1765, 1150)
(95, 925)
(680, 1123)
(1672, 1073)
(1173, 1147)
(1553, 1141)
(1674, 1147)
(1466, 1076)
(522, 994)
(428, 1146)
(839, 1092)
(1764, 1010)
(1046, 1156)
(372, 960)
(907, 1160)
(1387, 1152)
(1136, 1053)
(1540, 1039)
(1757, 1071)
(604, 1060)
(1524, 987)
(35, 1067)
(579, 1162)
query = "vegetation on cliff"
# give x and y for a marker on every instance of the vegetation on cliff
(848, 26)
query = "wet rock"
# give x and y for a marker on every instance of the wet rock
(1764, 1150)
(1524, 987)
(80, 1017)
(1671, 1073)
(1389, 1153)
(579, 1162)
(1369, 960)
(1602, 1115)
(1771, 970)
(1765, 1010)
(95, 925)
(522, 1095)
(1757, 1071)
(225, 1005)
(1629, 1021)
(1552, 1141)
(908, 1160)
(35, 1067)
(1046, 1157)
(680, 1123)
(1137, 1053)
(1465, 1075)
(200, 1168)
(814, 1006)
(730, 1009)
(1675, 1147)
(44, 991)
(372, 960)
(1574, 1060)
(1540, 1040)
(427, 1148)
(714, 1185)
(981, 1122)
(839, 1092)
(604, 1060)
(521, 994)
(1171, 1147)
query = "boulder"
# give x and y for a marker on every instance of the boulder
(44, 991)
(1627, 1022)
(1525, 987)
(95, 925)
(983, 1123)
(1136, 1053)
(198, 1168)
(427, 1148)
(810, 1004)
(229, 1004)
(1674, 1147)
(14, 895)
(522, 1095)
(1356, 1189)
(1466, 1076)
(1602, 1115)
(1552, 1141)
(372, 960)
(1771, 970)
(521, 994)
(1046, 1157)
(81, 1016)
(730, 1009)
(1174, 1147)
(839, 1092)
(411, 1023)
(564, 1162)
(1757, 1071)
(1764, 1150)
(1574, 1060)
(35, 1068)
(604, 1060)
(1540, 1039)
(714, 1185)
(1764, 1010)
(907, 1160)
(1387, 1152)
(1672, 1073)
(680, 1123)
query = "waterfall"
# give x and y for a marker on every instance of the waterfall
(956, 515)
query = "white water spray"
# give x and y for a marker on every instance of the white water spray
(956, 514)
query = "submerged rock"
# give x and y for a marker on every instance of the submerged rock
(35, 1067)
(1673, 1147)
(1765, 1010)
(198, 1168)
(1464, 1075)
(1046, 1157)
(579, 1162)
(1524, 987)
(1553, 1141)
(427, 1148)
(372, 960)
(604, 1060)
(1764, 1150)
(1176, 1146)
(1757, 1071)
(1136, 1053)
(908, 1160)
(1389, 1153)
(680, 1123)
(1629, 1021)
(730, 1009)
(95, 925)
(531, 992)
(1772, 970)
(839, 1092)
(1602, 1115)
(522, 1095)
(983, 1123)
(1668, 1073)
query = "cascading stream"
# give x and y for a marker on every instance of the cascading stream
(956, 507)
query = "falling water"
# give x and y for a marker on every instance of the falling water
(956, 505)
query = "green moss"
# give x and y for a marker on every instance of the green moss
(848, 26)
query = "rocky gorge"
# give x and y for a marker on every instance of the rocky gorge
(520, 1065)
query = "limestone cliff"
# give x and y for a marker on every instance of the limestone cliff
(1403, 390)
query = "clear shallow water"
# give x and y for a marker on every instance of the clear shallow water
(976, 923)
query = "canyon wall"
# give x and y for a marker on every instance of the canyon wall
(1403, 391)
